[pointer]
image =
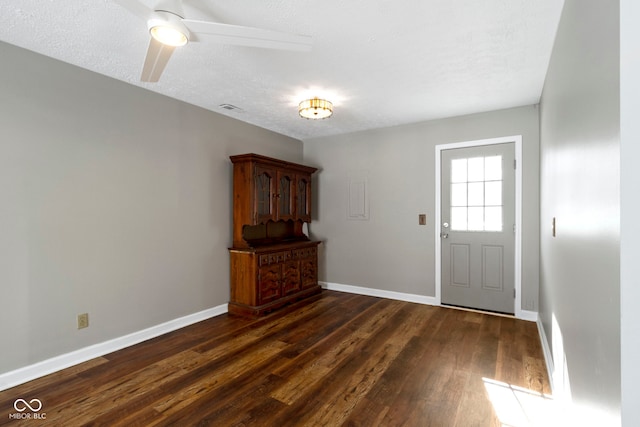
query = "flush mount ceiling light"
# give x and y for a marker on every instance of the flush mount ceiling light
(315, 108)
(168, 29)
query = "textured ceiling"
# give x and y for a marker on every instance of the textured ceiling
(381, 62)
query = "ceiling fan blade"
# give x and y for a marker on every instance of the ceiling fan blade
(158, 55)
(135, 7)
(248, 36)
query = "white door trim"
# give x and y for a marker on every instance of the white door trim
(517, 140)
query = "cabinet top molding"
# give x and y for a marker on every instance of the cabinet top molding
(251, 157)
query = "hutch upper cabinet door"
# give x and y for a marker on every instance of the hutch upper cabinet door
(303, 197)
(265, 193)
(285, 196)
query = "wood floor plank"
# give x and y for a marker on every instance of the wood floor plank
(336, 383)
(370, 370)
(339, 360)
(327, 339)
(473, 409)
(245, 396)
(319, 366)
(221, 376)
(244, 404)
(117, 394)
(483, 359)
(372, 409)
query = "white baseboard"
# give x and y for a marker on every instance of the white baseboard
(546, 351)
(45, 367)
(420, 299)
(531, 316)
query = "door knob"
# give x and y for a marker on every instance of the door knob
(444, 235)
(445, 225)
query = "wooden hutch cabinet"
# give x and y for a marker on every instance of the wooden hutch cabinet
(272, 261)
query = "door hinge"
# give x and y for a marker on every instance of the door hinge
(514, 293)
(514, 163)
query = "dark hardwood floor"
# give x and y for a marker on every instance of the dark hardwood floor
(341, 360)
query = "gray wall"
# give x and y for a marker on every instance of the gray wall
(630, 209)
(113, 201)
(580, 186)
(391, 251)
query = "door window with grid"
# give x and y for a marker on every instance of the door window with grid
(476, 194)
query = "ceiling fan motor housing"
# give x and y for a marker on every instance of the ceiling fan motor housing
(167, 28)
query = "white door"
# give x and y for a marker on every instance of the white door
(478, 227)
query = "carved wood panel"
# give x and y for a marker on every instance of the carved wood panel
(269, 283)
(309, 269)
(290, 277)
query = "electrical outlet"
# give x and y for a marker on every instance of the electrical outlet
(83, 320)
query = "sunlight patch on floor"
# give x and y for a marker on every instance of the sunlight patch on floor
(517, 406)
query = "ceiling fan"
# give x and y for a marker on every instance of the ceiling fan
(169, 29)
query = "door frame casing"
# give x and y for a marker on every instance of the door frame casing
(517, 140)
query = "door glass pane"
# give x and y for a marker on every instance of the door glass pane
(493, 193)
(493, 168)
(459, 170)
(459, 194)
(493, 218)
(475, 222)
(459, 219)
(476, 196)
(476, 169)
